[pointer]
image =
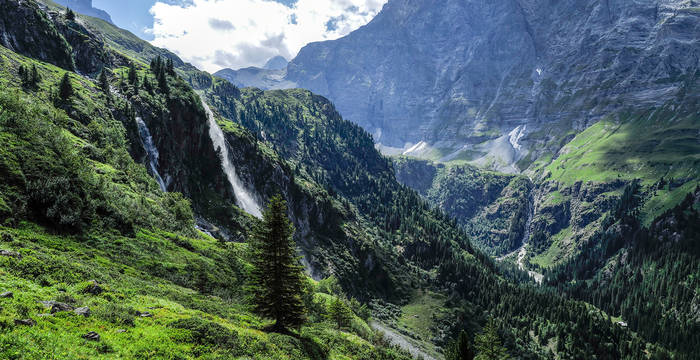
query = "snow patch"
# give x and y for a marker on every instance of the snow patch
(515, 135)
(419, 147)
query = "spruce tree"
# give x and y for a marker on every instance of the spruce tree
(163, 80)
(133, 74)
(65, 88)
(147, 83)
(340, 313)
(460, 349)
(22, 72)
(488, 343)
(104, 82)
(171, 67)
(276, 281)
(35, 78)
(70, 15)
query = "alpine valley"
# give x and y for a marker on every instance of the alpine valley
(463, 179)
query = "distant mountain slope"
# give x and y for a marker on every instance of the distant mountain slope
(276, 63)
(85, 7)
(465, 72)
(257, 77)
(462, 76)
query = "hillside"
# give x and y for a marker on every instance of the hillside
(80, 201)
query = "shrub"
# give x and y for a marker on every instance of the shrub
(116, 314)
(207, 334)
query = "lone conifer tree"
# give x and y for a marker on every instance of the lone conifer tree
(460, 349)
(35, 78)
(277, 277)
(70, 15)
(340, 313)
(65, 88)
(104, 82)
(488, 343)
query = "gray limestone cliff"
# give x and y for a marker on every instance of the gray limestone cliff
(493, 81)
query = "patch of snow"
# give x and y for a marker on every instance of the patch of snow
(515, 135)
(419, 147)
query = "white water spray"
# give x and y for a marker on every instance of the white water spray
(151, 151)
(244, 199)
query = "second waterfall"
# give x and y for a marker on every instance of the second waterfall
(243, 197)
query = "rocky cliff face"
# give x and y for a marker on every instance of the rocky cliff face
(462, 76)
(41, 40)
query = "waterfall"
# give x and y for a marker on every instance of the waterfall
(244, 198)
(152, 152)
(530, 215)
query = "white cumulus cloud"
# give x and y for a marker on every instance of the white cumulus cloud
(216, 34)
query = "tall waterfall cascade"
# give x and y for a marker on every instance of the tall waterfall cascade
(151, 151)
(244, 198)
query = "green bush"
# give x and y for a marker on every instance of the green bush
(116, 313)
(207, 334)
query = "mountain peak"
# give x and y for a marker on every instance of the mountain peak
(276, 63)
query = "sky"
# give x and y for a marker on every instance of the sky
(217, 34)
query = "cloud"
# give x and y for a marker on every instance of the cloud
(213, 34)
(218, 24)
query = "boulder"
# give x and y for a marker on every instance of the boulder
(82, 311)
(56, 306)
(93, 336)
(144, 314)
(9, 253)
(7, 294)
(93, 288)
(25, 322)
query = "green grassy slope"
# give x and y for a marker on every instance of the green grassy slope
(77, 207)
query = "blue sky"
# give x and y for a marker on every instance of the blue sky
(216, 34)
(132, 15)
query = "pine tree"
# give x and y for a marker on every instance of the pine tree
(340, 313)
(70, 15)
(163, 80)
(133, 77)
(488, 343)
(22, 72)
(276, 281)
(35, 78)
(104, 82)
(65, 88)
(147, 83)
(171, 67)
(460, 349)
